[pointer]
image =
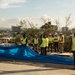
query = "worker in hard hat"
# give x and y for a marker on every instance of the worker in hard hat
(73, 48)
(56, 41)
(46, 43)
(35, 43)
(24, 42)
(50, 42)
(61, 43)
(42, 44)
(24, 39)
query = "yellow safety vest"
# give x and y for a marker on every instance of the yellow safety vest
(50, 40)
(73, 44)
(61, 40)
(46, 42)
(43, 43)
(35, 40)
(56, 39)
(24, 41)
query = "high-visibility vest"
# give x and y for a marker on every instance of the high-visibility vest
(43, 43)
(73, 44)
(61, 40)
(46, 42)
(55, 39)
(50, 40)
(35, 40)
(24, 41)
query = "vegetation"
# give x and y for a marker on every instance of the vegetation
(46, 28)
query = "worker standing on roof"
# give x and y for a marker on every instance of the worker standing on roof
(56, 41)
(35, 43)
(61, 43)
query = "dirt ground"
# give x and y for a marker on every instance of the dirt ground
(32, 68)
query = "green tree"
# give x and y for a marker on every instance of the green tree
(47, 28)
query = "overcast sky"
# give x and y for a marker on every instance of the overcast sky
(12, 11)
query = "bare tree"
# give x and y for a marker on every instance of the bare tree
(26, 23)
(57, 22)
(46, 19)
(31, 24)
(68, 20)
(23, 23)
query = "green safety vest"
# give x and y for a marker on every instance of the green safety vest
(46, 42)
(50, 39)
(24, 41)
(43, 43)
(35, 40)
(56, 39)
(73, 44)
(61, 40)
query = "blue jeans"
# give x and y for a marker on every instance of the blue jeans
(36, 48)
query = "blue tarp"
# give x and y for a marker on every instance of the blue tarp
(21, 52)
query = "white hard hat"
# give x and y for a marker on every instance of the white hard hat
(55, 34)
(50, 34)
(60, 33)
(35, 35)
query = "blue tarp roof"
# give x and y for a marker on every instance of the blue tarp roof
(21, 52)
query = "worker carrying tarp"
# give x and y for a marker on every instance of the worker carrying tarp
(24, 42)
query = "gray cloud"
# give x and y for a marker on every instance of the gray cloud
(9, 3)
